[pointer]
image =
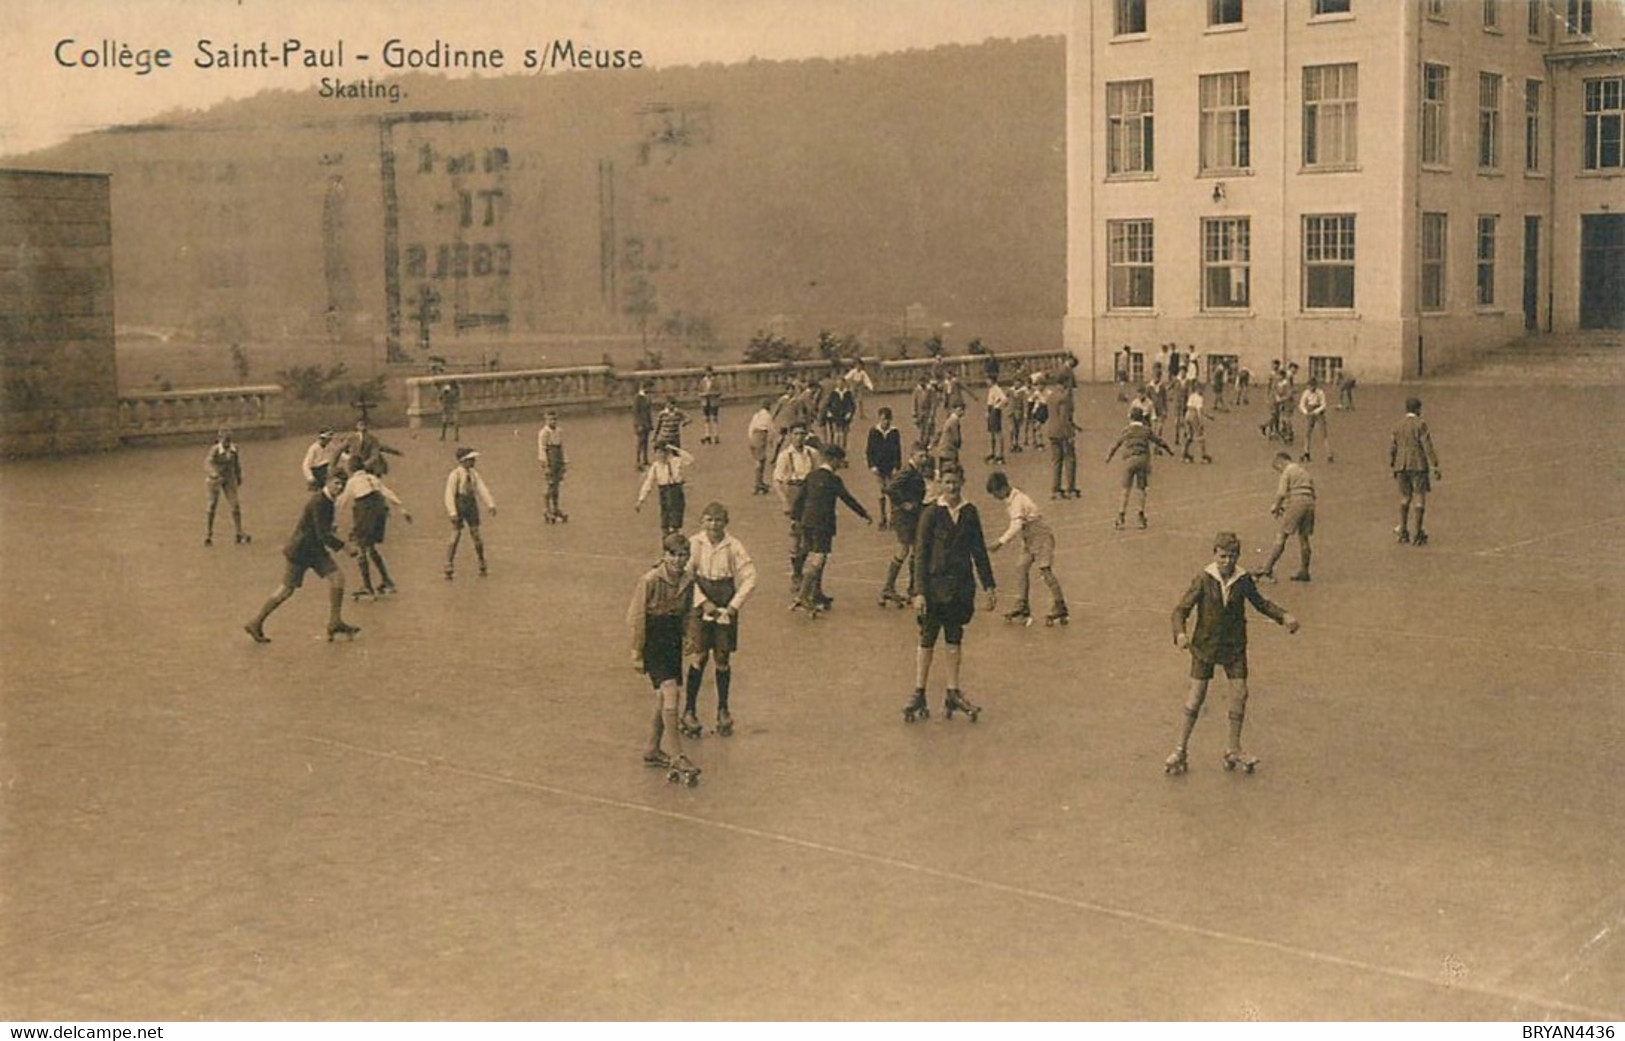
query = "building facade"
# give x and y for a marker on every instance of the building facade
(1374, 186)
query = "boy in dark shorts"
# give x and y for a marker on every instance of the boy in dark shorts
(950, 556)
(906, 491)
(724, 576)
(307, 550)
(1219, 596)
(884, 454)
(369, 500)
(1137, 442)
(1411, 457)
(711, 407)
(465, 492)
(657, 617)
(816, 516)
(550, 453)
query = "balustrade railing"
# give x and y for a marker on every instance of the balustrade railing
(201, 410)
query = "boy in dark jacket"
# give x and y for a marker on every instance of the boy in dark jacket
(1219, 595)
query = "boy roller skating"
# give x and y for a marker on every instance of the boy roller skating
(1219, 596)
(550, 453)
(951, 555)
(1411, 457)
(223, 475)
(308, 550)
(657, 617)
(1037, 547)
(724, 577)
(1137, 441)
(465, 493)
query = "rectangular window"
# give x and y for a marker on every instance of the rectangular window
(1486, 261)
(1436, 10)
(1435, 240)
(1489, 121)
(1536, 18)
(1224, 12)
(1129, 264)
(1225, 134)
(1531, 125)
(1577, 17)
(1129, 128)
(1492, 14)
(1604, 123)
(1320, 7)
(1327, 368)
(1331, 115)
(1226, 262)
(1328, 261)
(1128, 17)
(1436, 115)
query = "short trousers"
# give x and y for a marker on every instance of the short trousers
(1411, 481)
(703, 636)
(817, 540)
(1298, 519)
(663, 648)
(953, 633)
(995, 420)
(1137, 472)
(1236, 668)
(294, 577)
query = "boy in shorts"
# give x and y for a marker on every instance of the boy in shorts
(1220, 595)
(1137, 441)
(1410, 457)
(1295, 506)
(724, 577)
(307, 550)
(711, 407)
(465, 492)
(950, 556)
(657, 617)
(1037, 547)
(223, 475)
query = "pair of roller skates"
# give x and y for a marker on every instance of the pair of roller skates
(1178, 763)
(242, 538)
(1406, 538)
(917, 709)
(1119, 525)
(891, 598)
(555, 517)
(689, 726)
(1058, 615)
(679, 770)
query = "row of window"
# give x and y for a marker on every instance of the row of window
(1327, 368)
(1129, 16)
(1331, 122)
(1328, 264)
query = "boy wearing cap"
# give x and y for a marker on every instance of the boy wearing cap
(817, 521)
(465, 492)
(657, 616)
(318, 458)
(1219, 596)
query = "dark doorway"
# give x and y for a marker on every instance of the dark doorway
(1602, 271)
(1531, 273)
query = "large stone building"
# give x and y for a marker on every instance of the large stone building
(1384, 186)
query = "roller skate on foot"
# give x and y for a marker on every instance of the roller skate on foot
(244, 538)
(1058, 615)
(681, 771)
(656, 759)
(483, 572)
(725, 723)
(1175, 763)
(916, 708)
(1143, 521)
(253, 629)
(363, 594)
(889, 598)
(1266, 575)
(1402, 535)
(451, 572)
(1302, 576)
(387, 588)
(341, 629)
(1020, 614)
(689, 725)
(955, 702)
(1247, 763)
(1117, 525)
(1421, 539)
(208, 540)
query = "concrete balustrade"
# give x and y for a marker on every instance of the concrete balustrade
(201, 410)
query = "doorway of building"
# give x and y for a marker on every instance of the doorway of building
(1531, 273)
(1602, 271)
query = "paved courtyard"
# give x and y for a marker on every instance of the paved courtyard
(446, 818)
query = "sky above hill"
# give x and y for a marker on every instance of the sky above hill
(72, 66)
